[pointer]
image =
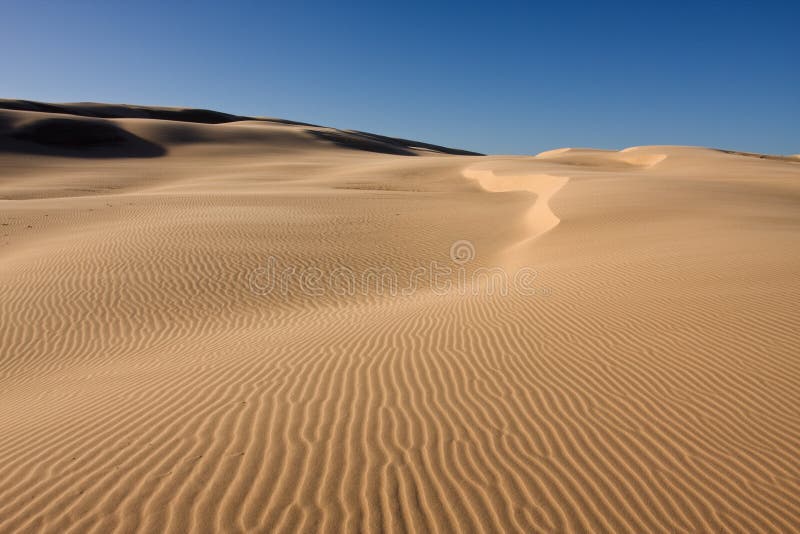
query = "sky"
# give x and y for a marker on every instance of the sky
(495, 77)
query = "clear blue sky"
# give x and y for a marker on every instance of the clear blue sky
(502, 77)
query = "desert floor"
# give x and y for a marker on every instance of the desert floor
(612, 342)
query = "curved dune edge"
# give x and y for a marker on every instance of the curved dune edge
(642, 160)
(635, 156)
(540, 219)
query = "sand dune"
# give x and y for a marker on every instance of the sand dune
(151, 379)
(540, 217)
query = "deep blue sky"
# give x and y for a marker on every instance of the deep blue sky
(501, 77)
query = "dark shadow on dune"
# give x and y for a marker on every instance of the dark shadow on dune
(79, 138)
(201, 116)
(89, 110)
(112, 111)
(789, 159)
(407, 143)
(360, 142)
(385, 145)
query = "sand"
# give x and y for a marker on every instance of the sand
(645, 377)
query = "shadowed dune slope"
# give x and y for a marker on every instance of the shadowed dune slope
(156, 376)
(77, 137)
(349, 139)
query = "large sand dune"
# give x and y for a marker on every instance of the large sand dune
(647, 379)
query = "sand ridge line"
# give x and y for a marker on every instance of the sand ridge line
(540, 219)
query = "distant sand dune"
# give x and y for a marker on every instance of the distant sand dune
(149, 382)
(78, 137)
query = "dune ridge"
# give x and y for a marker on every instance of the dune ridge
(649, 383)
(540, 218)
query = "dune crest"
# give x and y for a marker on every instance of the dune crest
(540, 218)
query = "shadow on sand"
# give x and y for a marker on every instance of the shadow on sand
(79, 138)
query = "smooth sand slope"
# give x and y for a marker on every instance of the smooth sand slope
(152, 380)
